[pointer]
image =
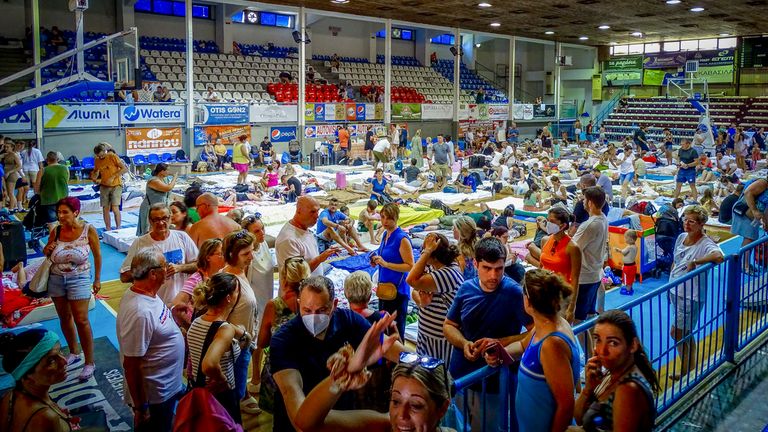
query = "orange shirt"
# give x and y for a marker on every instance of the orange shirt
(343, 138)
(554, 257)
(108, 167)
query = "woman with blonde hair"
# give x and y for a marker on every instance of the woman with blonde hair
(278, 311)
(465, 232)
(210, 260)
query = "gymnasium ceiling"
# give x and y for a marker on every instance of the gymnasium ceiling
(569, 19)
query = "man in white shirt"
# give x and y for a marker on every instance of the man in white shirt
(592, 238)
(211, 95)
(381, 152)
(178, 248)
(151, 345)
(295, 239)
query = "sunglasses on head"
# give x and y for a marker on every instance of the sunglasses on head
(427, 362)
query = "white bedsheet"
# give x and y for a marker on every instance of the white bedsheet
(121, 239)
(501, 204)
(454, 198)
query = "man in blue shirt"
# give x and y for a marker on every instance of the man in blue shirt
(487, 312)
(466, 183)
(512, 133)
(334, 226)
(300, 349)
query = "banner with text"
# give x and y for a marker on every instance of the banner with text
(80, 116)
(624, 70)
(221, 114)
(406, 111)
(722, 57)
(653, 77)
(273, 113)
(436, 112)
(151, 114)
(144, 141)
(324, 131)
(544, 111)
(498, 112)
(722, 74)
(21, 122)
(228, 134)
(282, 134)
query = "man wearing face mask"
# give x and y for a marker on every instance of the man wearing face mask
(580, 214)
(301, 347)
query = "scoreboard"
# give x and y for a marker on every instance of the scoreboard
(754, 53)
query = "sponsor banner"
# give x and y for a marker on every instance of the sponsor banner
(323, 131)
(330, 113)
(436, 112)
(309, 112)
(144, 141)
(320, 110)
(371, 111)
(280, 134)
(351, 112)
(228, 134)
(653, 77)
(463, 111)
(624, 70)
(528, 112)
(79, 116)
(597, 88)
(716, 74)
(498, 112)
(722, 57)
(360, 112)
(517, 111)
(677, 78)
(151, 114)
(21, 122)
(273, 113)
(379, 112)
(544, 111)
(221, 114)
(341, 112)
(403, 111)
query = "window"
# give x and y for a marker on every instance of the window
(172, 8)
(268, 19)
(707, 44)
(407, 35)
(444, 39)
(690, 45)
(397, 33)
(672, 46)
(621, 49)
(726, 43)
(611, 51)
(284, 21)
(636, 49)
(652, 47)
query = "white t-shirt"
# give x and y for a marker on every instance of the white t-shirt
(292, 242)
(382, 145)
(30, 162)
(261, 275)
(627, 165)
(178, 248)
(724, 162)
(592, 237)
(146, 329)
(505, 173)
(496, 161)
(684, 255)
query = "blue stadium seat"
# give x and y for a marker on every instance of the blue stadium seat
(153, 159)
(167, 158)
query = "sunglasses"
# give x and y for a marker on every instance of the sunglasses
(427, 362)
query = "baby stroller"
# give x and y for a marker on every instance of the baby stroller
(36, 221)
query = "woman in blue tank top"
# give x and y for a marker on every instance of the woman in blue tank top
(549, 367)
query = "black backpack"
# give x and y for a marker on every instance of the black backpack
(439, 205)
(669, 223)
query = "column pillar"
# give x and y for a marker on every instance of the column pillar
(456, 77)
(511, 78)
(388, 73)
(558, 54)
(36, 58)
(125, 17)
(302, 23)
(190, 85)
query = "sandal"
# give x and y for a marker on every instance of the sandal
(87, 372)
(626, 292)
(250, 405)
(252, 388)
(71, 358)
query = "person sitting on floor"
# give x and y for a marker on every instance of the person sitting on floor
(332, 225)
(370, 219)
(466, 183)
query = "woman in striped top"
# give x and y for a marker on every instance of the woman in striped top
(433, 292)
(216, 361)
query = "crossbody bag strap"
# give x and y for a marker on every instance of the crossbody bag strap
(212, 330)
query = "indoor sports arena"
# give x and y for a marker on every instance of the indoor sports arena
(354, 215)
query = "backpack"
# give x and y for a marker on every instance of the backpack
(476, 161)
(73, 161)
(521, 228)
(439, 205)
(398, 165)
(643, 207)
(477, 177)
(669, 223)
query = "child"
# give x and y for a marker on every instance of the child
(271, 178)
(640, 169)
(629, 256)
(370, 219)
(755, 155)
(556, 151)
(669, 140)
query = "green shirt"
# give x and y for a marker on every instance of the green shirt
(193, 216)
(54, 184)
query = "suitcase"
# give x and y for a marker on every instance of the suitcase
(14, 245)
(341, 180)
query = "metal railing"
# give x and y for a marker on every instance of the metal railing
(611, 104)
(732, 312)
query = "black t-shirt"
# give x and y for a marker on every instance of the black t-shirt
(266, 146)
(295, 184)
(639, 135)
(688, 156)
(411, 173)
(581, 215)
(293, 347)
(726, 209)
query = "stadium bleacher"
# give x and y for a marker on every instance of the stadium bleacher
(470, 81)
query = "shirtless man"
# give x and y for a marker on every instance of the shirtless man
(211, 224)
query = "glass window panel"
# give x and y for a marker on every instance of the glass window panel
(283, 21)
(621, 49)
(652, 47)
(707, 44)
(636, 49)
(143, 6)
(164, 7)
(268, 19)
(726, 43)
(689, 45)
(672, 46)
(179, 8)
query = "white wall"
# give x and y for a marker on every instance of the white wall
(401, 48)
(351, 40)
(173, 27)
(254, 34)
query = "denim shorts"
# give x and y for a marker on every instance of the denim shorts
(626, 177)
(72, 286)
(686, 175)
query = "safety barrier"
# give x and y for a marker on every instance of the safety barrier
(731, 313)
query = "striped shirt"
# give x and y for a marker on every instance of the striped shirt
(431, 318)
(196, 338)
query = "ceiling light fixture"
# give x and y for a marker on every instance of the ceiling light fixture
(583, 38)
(725, 34)
(484, 5)
(477, 45)
(637, 34)
(613, 43)
(339, 1)
(549, 32)
(697, 9)
(495, 24)
(673, 2)
(604, 27)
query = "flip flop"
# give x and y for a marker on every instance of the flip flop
(250, 405)
(253, 389)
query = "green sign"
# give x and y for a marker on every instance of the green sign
(624, 63)
(406, 111)
(653, 77)
(624, 70)
(716, 74)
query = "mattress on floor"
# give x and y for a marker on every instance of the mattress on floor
(272, 214)
(121, 239)
(713, 222)
(454, 198)
(408, 215)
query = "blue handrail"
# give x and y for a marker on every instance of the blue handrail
(608, 109)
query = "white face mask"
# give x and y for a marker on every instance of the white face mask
(316, 323)
(552, 228)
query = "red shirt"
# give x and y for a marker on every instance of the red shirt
(343, 138)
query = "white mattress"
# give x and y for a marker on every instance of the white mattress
(272, 214)
(501, 204)
(121, 239)
(454, 198)
(712, 221)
